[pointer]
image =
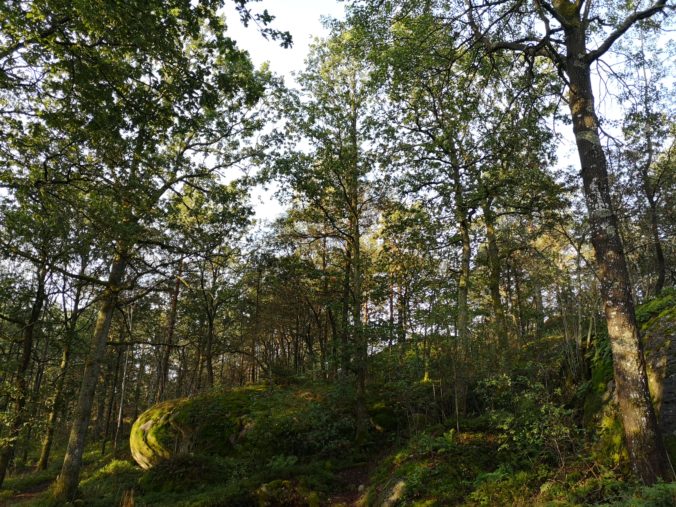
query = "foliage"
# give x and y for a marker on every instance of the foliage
(427, 310)
(532, 428)
(186, 472)
(433, 466)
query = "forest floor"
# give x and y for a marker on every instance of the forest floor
(433, 468)
(355, 481)
(293, 445)
(27, 495)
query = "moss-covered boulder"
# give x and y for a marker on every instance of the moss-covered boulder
(153, 434)
(271, 424)
(658, 325)
(209, 424)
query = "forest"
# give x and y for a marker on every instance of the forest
(469, 297)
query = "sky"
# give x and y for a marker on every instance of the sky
(302, 18)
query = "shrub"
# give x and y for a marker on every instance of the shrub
(531, 427)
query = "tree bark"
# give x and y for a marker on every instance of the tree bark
(56, 408)
(171, 327)
(20, 379)
(646, 449)
(111, 402)
(494, 279)
(66, 484)
(120, 413)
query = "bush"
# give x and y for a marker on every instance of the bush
(531, 427)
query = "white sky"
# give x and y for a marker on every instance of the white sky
(302, 19)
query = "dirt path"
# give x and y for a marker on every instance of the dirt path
(355, 480)
(26, 496)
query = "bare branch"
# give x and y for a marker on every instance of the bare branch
(622, 29)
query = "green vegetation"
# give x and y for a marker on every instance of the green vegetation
(522, 444)
(450, 307)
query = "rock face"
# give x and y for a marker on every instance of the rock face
(659, 337)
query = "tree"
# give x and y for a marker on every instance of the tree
(331, 182)
(646, 129)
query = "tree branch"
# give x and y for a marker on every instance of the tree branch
(622, 29)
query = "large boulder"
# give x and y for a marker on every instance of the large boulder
(153, 434)
(209, 424)
(271, 424)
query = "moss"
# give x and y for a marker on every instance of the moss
(653, 308)
(657, 495)
(433, 469)
(284, 493)
(185, 473)
(153, 434)
(211, 423)
(107, 485)
(235, 441)
(610, 448)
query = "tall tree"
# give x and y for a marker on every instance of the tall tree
(331, 180)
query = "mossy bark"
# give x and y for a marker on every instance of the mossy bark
(646, 450)
(66, 484)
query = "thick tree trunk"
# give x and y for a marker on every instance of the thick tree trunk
(20, 380)
(494, 279)
(67, 482)
(646, 450)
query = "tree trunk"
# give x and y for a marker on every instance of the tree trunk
(465, 259)
(111, 403)
(120, 412)
(67, 482)
(345, 311)
(646, 449)
(138, 382)
(56, 408)
(661, 266)
(208, 355)
(20, 379)
(494, 279)
(171, 326)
